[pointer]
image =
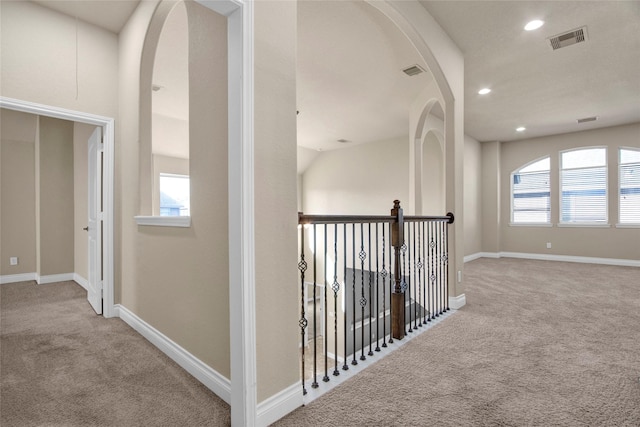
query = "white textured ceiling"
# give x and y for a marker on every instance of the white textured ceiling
(350, 56)
(108, 14)
(350, 82)
(533, 86)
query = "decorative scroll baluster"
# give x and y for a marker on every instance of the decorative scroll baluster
(363, 300)
(370, 297)
(391, 284)
(302, 266)
(409, 274)
(384, 291)
(432, 277)
(419, 278)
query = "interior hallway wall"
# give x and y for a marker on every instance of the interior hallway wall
(18, 192)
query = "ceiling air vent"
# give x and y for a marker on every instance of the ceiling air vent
(587, 119)
(414, 70)
(569, 38)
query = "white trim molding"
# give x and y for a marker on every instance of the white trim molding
(53, 278)
(108, 170)
(561, 258)
(164, 221)
(456, 303)
(81, 281)
(15, 278)
(279, 405)
(208, 376)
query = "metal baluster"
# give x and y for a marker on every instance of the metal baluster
(409, 273)
(432, 277)
(335, 288)
(416, 289)
(378, 288)
(439, 267)
(370, 302)
(425, 298)
(446, 251)
(314, 384)
(353, 293)
(403, 280)
(324, 313)
(344, 302)
(421, 307)
(363, 300)
(302, 266)
(391, 284)
(384, 291)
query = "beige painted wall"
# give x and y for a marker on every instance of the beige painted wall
(88, 85)
(17, 195)
(357, 180)
(490, 232)
(177, 280)
(275, 197)
(472, 196)
(55, 237)
(81, 134)
(610, 242)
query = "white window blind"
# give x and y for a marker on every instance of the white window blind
(530, 196)
(629, 194)
(583, 182)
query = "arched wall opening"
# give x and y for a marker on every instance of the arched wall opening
(432, 174)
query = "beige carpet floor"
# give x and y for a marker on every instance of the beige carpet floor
(62, 365)
(538, 344)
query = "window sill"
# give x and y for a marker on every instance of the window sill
(530, 224)
(627, 225)
(584, 225)
(164, 221)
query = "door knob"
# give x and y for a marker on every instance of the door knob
(86, 228)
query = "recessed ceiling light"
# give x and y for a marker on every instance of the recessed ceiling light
(521, 129)
(343, 141)
(534, 25)
(484, 91)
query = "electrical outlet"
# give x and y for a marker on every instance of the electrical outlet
(459, 276)
(548, 245)
(13, 260)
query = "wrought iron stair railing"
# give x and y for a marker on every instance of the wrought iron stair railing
(366, 281)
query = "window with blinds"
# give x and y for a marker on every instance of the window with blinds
(629, 179)
(530, 194)
(583, 186)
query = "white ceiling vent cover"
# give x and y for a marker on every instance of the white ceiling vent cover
(414, 70)
(569, 38)
(588, 119)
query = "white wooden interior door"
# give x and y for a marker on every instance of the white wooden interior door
(94, 226)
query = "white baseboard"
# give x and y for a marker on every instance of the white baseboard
(458, 302)
(15, 278)
(213, 380)
(81, 281)
(561, 258)
(52, 278)
(279, 405)
(472, 257)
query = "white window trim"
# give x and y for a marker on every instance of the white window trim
(602, 224)
(628, 225)
(164, 221)
(584, 224)
(530, 224)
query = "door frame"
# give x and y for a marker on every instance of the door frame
(108, 132)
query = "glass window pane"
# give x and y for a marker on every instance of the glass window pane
(174, 195)
(530, 197)
(629, 194)
(584, 158)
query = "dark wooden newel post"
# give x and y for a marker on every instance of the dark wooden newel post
(397, 297)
